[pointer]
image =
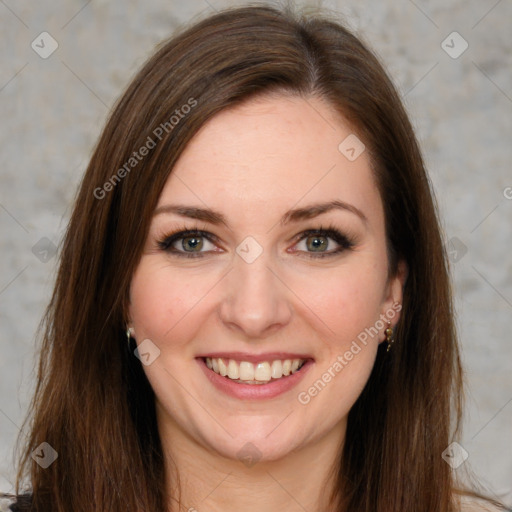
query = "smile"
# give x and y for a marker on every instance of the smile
(262, 377)
(245, 372)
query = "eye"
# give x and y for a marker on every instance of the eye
(188, 243)
(317, 243)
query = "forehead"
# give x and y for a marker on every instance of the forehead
(271, 154)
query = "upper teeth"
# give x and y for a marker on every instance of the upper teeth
(246, 371)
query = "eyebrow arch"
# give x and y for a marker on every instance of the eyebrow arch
(296, 215)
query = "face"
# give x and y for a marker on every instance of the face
(266, 259)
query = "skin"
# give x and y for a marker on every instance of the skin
(253, 163)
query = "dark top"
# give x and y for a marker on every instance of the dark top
(21, 503)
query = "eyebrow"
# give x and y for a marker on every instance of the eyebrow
(295, 215)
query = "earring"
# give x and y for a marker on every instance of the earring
(129, 332)
(389, 336)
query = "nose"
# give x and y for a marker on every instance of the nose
(255, 302)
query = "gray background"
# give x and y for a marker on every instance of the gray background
(53, 110)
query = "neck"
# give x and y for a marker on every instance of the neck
(200, 479)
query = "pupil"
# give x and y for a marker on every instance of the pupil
(318, 243)
(193, 242)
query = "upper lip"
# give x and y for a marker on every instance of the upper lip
(255, 358)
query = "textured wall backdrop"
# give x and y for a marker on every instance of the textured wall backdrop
(452, 62)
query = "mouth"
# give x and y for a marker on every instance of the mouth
(254, 379)
(245, 372)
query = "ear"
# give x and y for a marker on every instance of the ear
(393, 296)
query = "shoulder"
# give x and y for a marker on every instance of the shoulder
(472, 505)
(5, 504)
(486, 507)
(13, 503)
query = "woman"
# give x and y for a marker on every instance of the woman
(252, 309)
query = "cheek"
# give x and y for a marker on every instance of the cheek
(348, 303)
(347, 300)
(161, 299)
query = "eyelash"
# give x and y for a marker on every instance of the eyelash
(344, 242)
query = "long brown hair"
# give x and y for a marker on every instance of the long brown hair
(93, 403)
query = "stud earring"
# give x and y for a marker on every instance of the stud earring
(389, 336)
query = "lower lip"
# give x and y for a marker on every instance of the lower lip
(255, 391)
